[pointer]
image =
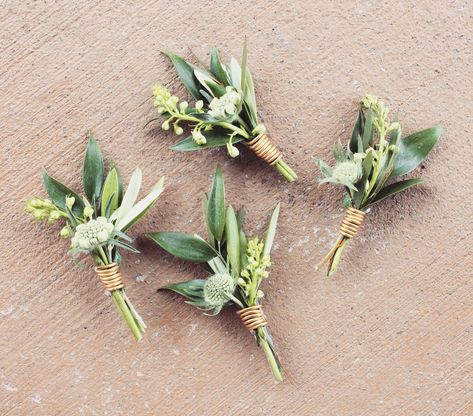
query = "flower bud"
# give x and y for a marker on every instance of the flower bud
(178, 130)
(70, 201)
(218, 288)
(66, 232)
(232, 150)
(183, 106)
(165, 125)
(199, 105)
(88, 212)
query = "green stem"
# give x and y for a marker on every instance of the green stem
(118, 298)
(285, 170)
(270, 356)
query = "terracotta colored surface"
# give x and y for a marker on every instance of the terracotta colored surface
(390, 334)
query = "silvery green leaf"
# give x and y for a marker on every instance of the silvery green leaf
(324, 168)
(130, 217)
(233, 240)
(202, 77)
(130, 195)
(271, 232)
(244, 62)
(235, 71)
(218, 266)
(193, 290)
(339, 152)
(110, 193)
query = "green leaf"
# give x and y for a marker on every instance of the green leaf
(244, 62)
(339, 152)
(324, 168)
(189, 247)
(233, 241)
(205, 205)
(243, 247)
(110, 193)
(185, 70)
(130, 196)
(235, 71)
(93, 172)
(216, 206)
(414, 149)
(128, 218)
(368, 130)
(191, 289)
(357, 132)
(271, 232)
(395, 188)
(367, 167)
(216, 67)
(214, 139)
(58, 193)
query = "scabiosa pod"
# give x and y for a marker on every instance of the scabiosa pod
(368, 167)
(224, 112)
(97, 221)
(237, 266)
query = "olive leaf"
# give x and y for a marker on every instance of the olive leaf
(216, 206)
(394, 189)
(189, 247)
(216, 67)
(185, 70)
(414, 149)
(271, 232)
(357, 132)
(93, 171)
(58, 193)
(233, 241)
(190, 289)
(110, 193)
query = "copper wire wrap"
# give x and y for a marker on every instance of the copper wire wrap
(110, 276)
(351, 222)
(252, 317)
(265, 149)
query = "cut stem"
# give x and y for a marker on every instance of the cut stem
(334, 255)
(285, 170)
(264, 340)
(129, 315)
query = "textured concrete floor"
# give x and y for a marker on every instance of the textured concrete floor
(390, 334)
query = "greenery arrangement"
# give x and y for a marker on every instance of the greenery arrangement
(237, 266)
(369, 166)
(224, 112)
(97, 221)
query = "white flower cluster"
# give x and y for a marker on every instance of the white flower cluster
(92, 233)
(348, 172)
(218, 288)
(226, 105)
(163, 99)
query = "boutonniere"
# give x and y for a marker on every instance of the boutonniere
(96, 222)
(224, 112)
(237, 266)
(370, 165)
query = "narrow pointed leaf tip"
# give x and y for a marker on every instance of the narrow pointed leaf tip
(271, 232)
(216, 206)
(93, 171)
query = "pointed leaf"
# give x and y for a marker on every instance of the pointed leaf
(217, 68)
(130, 196)
(191, 289)
(414, 149)
(216, 206)
(233, 241)
(58, 193)
(214, 139)
(395, 188)
(189, 247)
(110, 193)
(368, 130)
(141, 208)
(235, 71)
(93, 171)
(185, 70)
(270, 234)
(357, 132)
(244, 62)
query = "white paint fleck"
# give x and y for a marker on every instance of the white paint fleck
(139, 278)
(9, 387)
(36, 398)
(193, 327)
(7, 311)
(176, 351)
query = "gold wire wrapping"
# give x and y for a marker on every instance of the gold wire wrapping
(351, 222)
(265, 149)
(252, 317)
(110, 276)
